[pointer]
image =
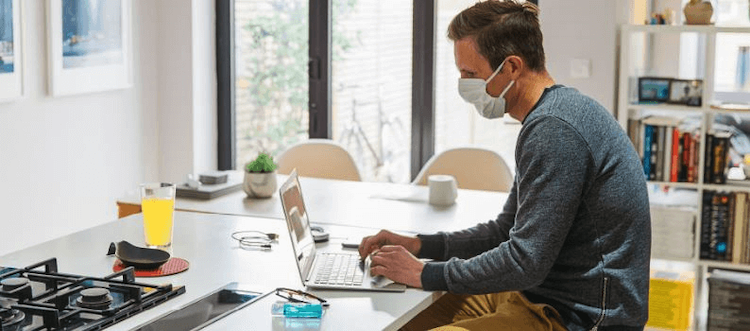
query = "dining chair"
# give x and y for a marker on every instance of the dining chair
(319, 158)
(474, 169)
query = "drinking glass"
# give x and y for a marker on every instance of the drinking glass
(157, 202)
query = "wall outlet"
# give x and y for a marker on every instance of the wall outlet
(580, 68)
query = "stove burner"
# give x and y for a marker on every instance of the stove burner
(10, 317)
(11, 284)
(95, 298)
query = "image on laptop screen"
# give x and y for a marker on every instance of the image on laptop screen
(299, 224)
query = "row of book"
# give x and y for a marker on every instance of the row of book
(672, 235)
(670, 150)
(724, 227)
(728, 301)
(670, 300)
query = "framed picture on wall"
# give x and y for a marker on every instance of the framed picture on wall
(686, 92)
(11, 50)
(90, 46)
(653, 89)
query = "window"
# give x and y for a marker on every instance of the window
(377, 76)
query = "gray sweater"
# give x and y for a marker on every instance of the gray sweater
(575, 231)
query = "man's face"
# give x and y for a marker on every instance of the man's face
(471, 64)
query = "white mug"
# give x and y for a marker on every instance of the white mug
(443, 189)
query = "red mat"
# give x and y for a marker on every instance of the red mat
(175, 265)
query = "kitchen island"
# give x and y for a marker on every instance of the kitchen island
(204, 240)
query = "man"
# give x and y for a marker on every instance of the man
(571, 247)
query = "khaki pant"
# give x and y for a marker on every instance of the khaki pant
(498, 311)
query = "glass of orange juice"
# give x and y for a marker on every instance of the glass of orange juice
(157, 202)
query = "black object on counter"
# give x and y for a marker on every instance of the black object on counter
(139, 257)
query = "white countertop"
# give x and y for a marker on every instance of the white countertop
(216, 260)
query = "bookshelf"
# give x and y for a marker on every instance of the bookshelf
(643, 49)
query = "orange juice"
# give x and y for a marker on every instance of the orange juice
(157, 221)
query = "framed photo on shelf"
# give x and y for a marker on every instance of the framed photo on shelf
(11, 52)
(90, 46)
(686, 92)
(653, 89)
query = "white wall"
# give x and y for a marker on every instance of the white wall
(65, 160)
(187, 88)
(584, 29)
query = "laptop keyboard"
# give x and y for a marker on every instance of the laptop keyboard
(339, 269)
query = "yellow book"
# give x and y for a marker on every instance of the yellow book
(670, 302)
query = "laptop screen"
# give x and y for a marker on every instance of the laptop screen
(298, 223)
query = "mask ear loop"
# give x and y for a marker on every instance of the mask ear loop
(496, 71)
(502, 94)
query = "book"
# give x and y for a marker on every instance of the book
(719, 226)
(719, 154)
(674, 164)
(648, 136)
(708, 164)
(739, 220)
(661, 148)
(705, 229)
(693, 155)
(672, 236)
(654, 153)
(671, 300)
(207, 192)
(746, 235)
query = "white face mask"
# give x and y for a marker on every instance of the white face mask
(474, 91)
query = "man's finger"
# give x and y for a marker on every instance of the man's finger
(390, 248)
(377, 271)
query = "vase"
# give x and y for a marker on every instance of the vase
(259, 185)
(698, 12)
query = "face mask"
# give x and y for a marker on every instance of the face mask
(474, 91)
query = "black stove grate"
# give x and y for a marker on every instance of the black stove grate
(52, 300)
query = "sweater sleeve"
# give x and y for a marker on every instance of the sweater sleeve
(554, 162)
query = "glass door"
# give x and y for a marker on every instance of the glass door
(271, 80)
(371, 85)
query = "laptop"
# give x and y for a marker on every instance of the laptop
(324, 270)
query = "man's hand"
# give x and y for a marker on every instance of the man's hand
(396, 263)
(370, 244)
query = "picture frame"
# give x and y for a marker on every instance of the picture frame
(687, 92)
(653, 89)
(11, 51)
(89, 45)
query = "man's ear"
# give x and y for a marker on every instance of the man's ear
(516, 65)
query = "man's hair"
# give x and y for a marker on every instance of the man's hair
(502, 28)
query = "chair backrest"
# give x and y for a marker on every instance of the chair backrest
(319, 158)
(474, 168)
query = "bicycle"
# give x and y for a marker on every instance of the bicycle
(388, 157)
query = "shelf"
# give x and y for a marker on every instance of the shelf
(663, 106)
(725, 265)
(687, 28)
(704, 109)
(677, 184)
(726, 187)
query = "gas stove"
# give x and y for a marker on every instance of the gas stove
(39, 298)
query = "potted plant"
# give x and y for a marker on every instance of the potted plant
(260, 177)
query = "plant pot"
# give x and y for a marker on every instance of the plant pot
(260, 185)
(697, 12)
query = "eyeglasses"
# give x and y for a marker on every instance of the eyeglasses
(299, 296)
